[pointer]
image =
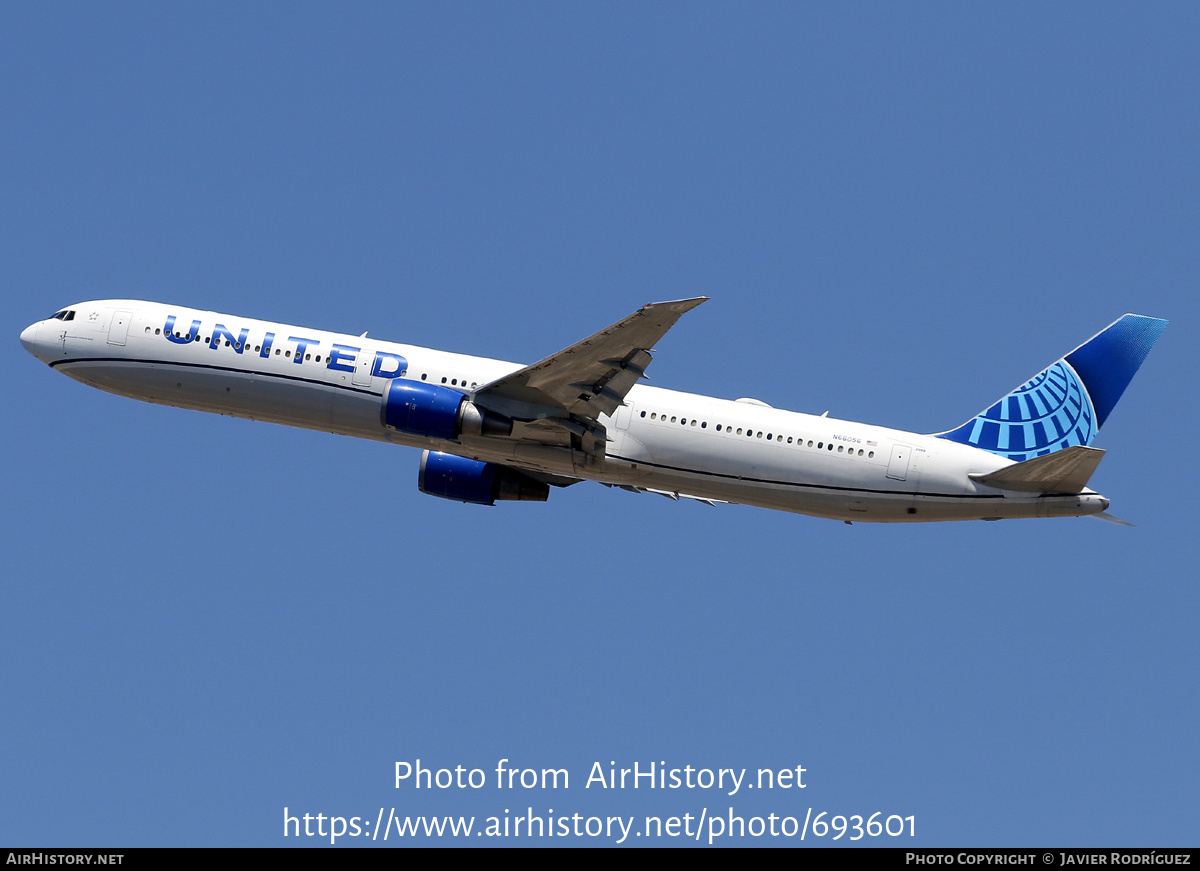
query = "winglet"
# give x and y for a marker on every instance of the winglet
(676, 306)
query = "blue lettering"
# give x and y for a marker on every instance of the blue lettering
(267, 341)
(398, 365)
(337, 355)
(238, 343)
(302, 345)
(169, 332)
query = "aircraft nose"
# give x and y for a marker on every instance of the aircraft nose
(29, 338)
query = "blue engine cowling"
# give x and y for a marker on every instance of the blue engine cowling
(436, 412)
(464, 480)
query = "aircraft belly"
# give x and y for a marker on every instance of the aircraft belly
(239, 394)
(627, 460)
(823, 485)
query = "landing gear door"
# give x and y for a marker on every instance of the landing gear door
(898, 464)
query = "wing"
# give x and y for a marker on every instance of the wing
(591, 377)
(564, 394)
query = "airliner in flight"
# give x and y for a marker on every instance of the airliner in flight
(492, 430)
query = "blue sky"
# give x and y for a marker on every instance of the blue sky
(900, 212)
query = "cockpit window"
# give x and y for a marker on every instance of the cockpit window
(63, 315)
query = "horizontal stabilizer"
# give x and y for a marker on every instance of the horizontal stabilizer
(1065, 471)
(1111, 518)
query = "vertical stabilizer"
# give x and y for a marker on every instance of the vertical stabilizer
(1066, 403)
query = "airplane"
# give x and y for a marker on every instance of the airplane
(494, 431)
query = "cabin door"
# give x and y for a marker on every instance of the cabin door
(362, 368)
(898, 464)
(118, 330)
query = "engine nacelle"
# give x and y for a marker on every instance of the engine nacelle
(436, 412)
(464, 480)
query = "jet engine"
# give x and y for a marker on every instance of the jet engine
(464, 480)
(428, 410)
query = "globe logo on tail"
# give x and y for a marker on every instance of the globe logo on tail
(1049, 412)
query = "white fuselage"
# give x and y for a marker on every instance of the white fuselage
(678, 444)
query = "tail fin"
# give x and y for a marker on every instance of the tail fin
(1066, 403)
